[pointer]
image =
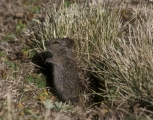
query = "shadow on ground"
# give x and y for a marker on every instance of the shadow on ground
(45, 68)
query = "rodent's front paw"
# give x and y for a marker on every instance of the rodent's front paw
(51, 60)
(48, 60)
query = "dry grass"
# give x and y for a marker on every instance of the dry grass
(113, 44)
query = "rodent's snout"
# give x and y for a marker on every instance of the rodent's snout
(47, 43)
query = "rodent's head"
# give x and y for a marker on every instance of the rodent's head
(59, 46)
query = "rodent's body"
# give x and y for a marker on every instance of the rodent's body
(66, 79)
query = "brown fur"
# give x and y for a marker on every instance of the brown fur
(66, 80)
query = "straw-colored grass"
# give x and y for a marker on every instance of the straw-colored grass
(113, 44)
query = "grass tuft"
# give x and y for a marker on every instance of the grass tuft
(113, 44)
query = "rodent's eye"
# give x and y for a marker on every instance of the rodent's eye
(55, 42)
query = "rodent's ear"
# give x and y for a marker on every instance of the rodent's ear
(70, 42)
